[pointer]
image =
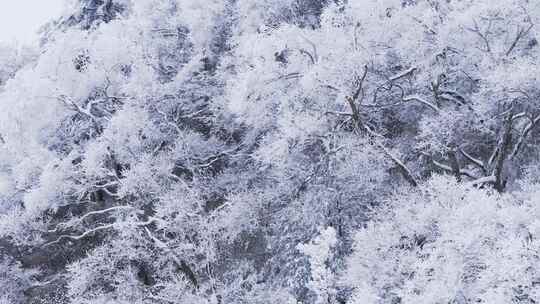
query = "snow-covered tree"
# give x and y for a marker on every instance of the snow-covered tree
(448, 243)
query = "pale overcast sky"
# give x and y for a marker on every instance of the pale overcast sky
(20, 19)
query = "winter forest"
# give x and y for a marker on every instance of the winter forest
(273, 152)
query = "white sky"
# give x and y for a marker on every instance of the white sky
(20, 19)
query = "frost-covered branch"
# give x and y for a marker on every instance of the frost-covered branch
(446, 168)
(181, 264)
(523, 136)
(521, 32)
(407, 174)
(483, 35)
(360, 125)
(79, 220)
(484, 180)
(402, 74)
(99, 228)
(473, 160)
(422, 101)
(80, 236)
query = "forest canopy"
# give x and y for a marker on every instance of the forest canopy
(273, 151)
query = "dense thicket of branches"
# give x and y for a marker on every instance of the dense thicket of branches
(273, 151)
